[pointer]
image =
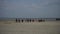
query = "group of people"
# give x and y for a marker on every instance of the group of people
(18, 20)
(28, 20)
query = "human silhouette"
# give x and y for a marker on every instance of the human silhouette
(16, 19)
(39, 20)
(22, 20)
(30, 20)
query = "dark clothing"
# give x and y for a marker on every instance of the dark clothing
(16, 20)
(22, 20)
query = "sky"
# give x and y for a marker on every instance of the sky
(30, 8)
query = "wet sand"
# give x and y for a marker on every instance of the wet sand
(48, 27)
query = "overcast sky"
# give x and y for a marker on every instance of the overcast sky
(30, 8)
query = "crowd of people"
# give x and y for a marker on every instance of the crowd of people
(29, 20)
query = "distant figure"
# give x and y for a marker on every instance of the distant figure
(30, 20)
(39, 20)
(16, 19)
(27, 20)
(22, 20)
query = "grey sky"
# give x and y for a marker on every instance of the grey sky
(30, 8)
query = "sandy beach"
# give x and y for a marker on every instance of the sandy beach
(48, 27)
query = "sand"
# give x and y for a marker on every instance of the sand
(48, 27)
